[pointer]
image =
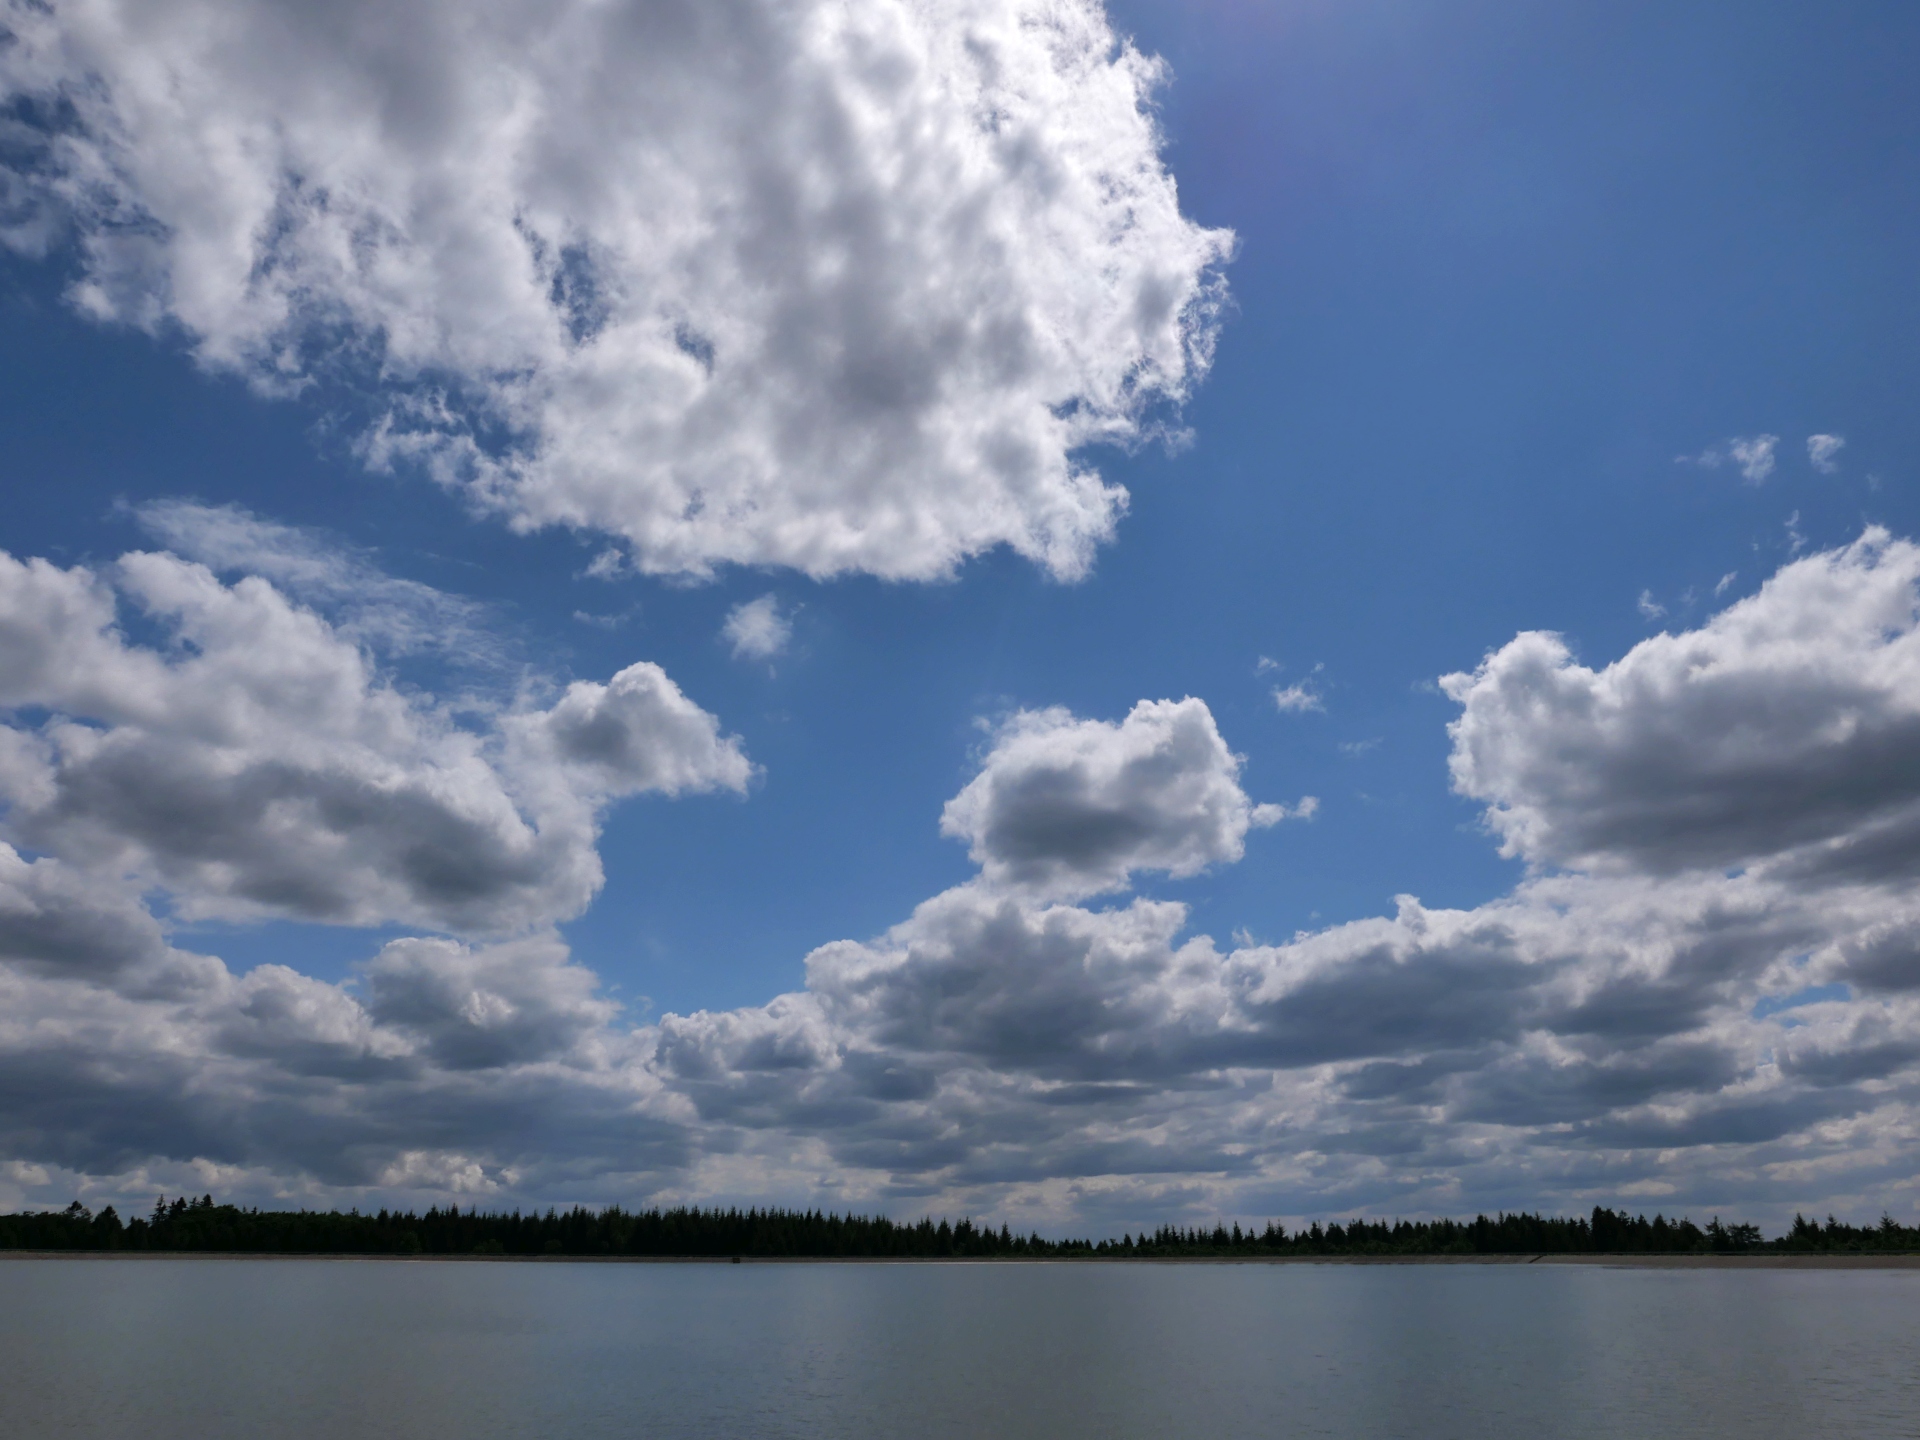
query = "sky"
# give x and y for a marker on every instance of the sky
(1088, 617)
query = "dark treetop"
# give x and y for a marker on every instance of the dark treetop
(200, 1225)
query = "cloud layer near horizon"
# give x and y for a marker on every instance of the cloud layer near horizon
(1721, 1008)
(843, 288)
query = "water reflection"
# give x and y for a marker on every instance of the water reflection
(209, 1349)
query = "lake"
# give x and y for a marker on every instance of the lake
(167, 1349)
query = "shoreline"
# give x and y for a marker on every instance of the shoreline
(1808, 1261)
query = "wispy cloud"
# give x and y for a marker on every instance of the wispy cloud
(345, 583)
(1650, 609)
(756, 629)
(1302, 696)
(1752, 455)
(1823, 452)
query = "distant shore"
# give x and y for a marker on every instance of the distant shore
(1813, 1261)
(683, 1234)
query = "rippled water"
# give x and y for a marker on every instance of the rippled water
(165, 1348)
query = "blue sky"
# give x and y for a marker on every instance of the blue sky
(1509, 282)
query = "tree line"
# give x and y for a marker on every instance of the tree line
(190, 1225)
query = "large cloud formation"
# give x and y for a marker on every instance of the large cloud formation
(254, 757)
(1717, 1017)
(1784, 732)
(838, 287)
(255, 762)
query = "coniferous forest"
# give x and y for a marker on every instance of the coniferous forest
(189, 1225)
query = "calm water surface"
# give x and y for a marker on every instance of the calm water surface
(209, 1349)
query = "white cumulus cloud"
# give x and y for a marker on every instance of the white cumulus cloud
(1724, 1001)
(258, 763)
(1069, 807)
(1785, 728)
(837, 287)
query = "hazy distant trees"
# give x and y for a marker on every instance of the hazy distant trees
(200, 1225)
